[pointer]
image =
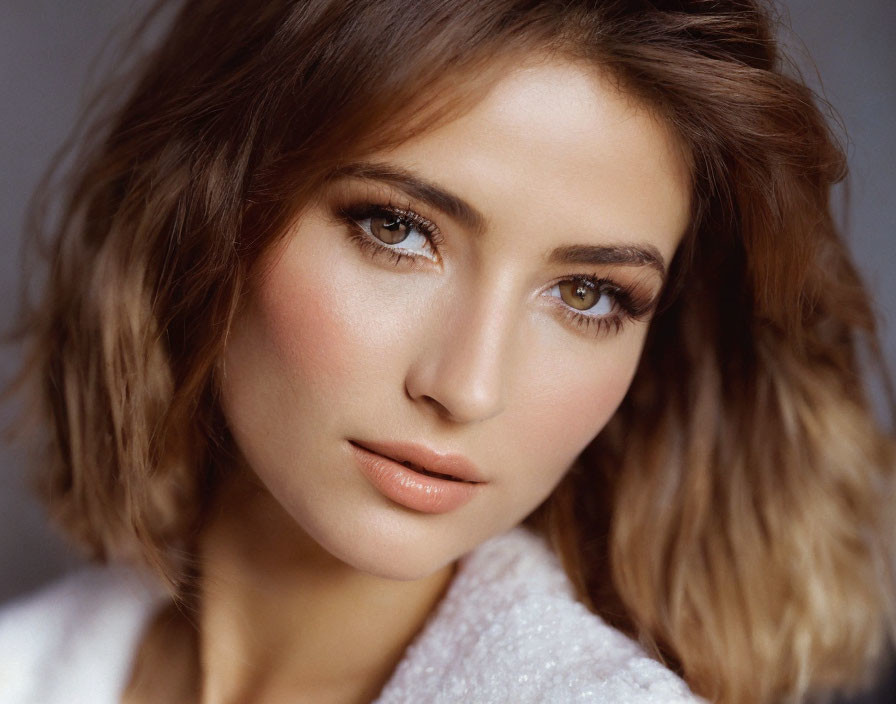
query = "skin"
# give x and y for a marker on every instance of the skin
(313, 581)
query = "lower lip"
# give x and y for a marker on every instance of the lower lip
(409, 488)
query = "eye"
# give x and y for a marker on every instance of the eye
(583, 294)
(600, 306)
(396, 231)
(391, 229)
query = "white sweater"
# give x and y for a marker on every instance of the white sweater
(508, 630)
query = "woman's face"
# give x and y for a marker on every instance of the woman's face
(481, 291)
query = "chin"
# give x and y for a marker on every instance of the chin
(398, 545)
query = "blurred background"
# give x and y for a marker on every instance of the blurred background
(846, 50)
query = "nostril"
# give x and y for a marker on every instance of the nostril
(440, 407)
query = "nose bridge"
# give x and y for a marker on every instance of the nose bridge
(464, 368)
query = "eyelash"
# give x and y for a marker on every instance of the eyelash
(352, 214)
(628, 304)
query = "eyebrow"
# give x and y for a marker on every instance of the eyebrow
(627, 255)
(458, 209)
(417, 188)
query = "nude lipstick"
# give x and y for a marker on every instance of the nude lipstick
(417, 477)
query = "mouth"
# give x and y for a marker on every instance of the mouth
(425, 461)
(418, 477)
(428, 473)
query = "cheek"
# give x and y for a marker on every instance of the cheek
(333, 318)
(309, 334)
(290, 355)
(570, 406)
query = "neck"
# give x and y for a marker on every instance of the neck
(280, 617)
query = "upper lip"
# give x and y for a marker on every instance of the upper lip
(452, 464)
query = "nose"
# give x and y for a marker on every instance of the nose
(461, 369)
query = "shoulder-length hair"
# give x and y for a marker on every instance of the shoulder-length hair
(733, 514)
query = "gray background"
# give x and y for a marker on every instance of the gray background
(46, 47)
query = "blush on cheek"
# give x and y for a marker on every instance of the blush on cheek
(308, 331)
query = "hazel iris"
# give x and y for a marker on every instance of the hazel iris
(581, 295)
(389, 228)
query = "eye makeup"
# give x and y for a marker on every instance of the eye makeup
(360, 219)
(628, 303)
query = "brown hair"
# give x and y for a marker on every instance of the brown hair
(732, 515)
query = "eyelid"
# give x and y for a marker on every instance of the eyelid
(390, 177)
(355, 195)
(426, 226)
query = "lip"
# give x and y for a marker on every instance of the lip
(451, 464)
(381, 465)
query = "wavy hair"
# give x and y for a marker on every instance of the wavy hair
(735, 515)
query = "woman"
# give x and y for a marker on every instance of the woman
(345, 294)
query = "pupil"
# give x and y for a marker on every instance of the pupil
(393, 224)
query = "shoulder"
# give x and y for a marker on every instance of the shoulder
(510, 625)
(73, 640)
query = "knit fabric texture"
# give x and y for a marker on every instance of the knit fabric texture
(509, 629)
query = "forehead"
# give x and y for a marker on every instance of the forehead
(560, 147)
